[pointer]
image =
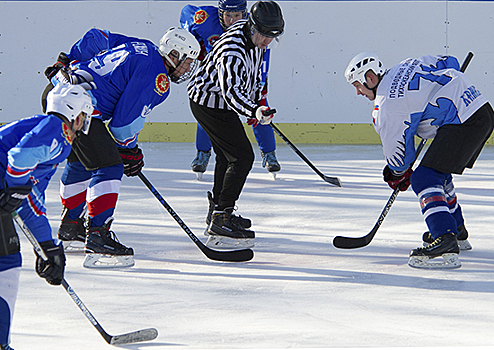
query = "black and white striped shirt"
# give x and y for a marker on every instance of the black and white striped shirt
(230, 75)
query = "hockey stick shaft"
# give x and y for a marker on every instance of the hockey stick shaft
(235, 255)
(466, 62)
(332, 180)
(138, 336)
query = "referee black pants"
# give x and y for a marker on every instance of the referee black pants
(234, 154)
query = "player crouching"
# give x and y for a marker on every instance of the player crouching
(431, 98)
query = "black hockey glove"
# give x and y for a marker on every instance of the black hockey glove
(62, 61)
(12, 197)
(52, 269)
(133, 160)
(402, 182)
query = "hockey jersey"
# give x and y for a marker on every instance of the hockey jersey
(130, 77)
(230, 76)
(30, 151)
(416, 97)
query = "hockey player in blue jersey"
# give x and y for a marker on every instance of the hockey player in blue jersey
(431, 98)
(207, 23)
(30, 150)
(132, 76)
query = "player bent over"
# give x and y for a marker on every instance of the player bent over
(132, 76)
(228, 85)
(30, 150)
(431, 98)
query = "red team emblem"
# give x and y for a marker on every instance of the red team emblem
(200, 17)
(162, 84)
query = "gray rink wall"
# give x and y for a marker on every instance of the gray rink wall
(306, 82)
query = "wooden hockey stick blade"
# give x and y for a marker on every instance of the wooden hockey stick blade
(134, 337)
(232, 255)
(332, 180)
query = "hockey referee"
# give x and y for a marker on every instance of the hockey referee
(228, 85)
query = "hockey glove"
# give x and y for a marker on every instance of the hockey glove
(80, 77)
(133, 160)
(12, 197)
(62, 61)
(402, 182)
(52, 269)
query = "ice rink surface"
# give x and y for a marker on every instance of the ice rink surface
(298, 291)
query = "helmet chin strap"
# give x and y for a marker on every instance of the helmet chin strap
(374, 89)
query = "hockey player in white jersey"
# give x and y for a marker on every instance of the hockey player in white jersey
(431, 98)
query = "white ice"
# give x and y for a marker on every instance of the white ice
(298, 291)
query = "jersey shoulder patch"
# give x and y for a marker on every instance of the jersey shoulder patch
(200, 16)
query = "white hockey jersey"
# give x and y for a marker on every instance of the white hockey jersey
(416, 97)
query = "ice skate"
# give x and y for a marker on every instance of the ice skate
(462, 237)
(200, 163)
(72, 233)
(270, 162)
(243, 222)
(5, 347)
(445, 246)
(103, 250)
(226, 232)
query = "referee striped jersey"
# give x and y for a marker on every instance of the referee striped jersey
(230, 75)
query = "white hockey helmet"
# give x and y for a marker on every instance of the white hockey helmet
(361, 64)
(69, 101)
(185, 44)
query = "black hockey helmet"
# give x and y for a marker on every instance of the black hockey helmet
(266, 18)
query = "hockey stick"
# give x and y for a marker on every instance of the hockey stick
(359, 242)
(133, 337)
(332, 180)
(233, 255)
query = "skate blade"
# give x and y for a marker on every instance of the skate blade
(73, 247)
(449, 261)
(464, 245)
(222, 242)
(273, 175)
(199, 176)
(106, 261)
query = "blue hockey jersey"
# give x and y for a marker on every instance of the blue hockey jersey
(30, 151)
(130, 77)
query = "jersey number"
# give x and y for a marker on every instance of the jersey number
(414, 84)
(106, 63)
